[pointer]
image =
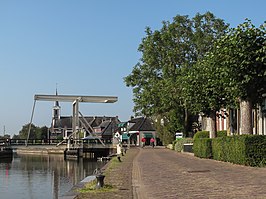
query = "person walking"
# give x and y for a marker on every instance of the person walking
(124, 145)
(118, 152)
(152, 141)
(143, 140)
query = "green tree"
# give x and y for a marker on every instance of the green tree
(232, 72)
(44, 132)
(244, 56)
(205, 88)
(23, 133)
(156, 79)
(35, 132)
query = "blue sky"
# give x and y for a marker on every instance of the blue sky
(86, 47)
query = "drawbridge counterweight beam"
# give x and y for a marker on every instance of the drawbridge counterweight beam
(72, 98)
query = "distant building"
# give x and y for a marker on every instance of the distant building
(137, 128)
(102, 126)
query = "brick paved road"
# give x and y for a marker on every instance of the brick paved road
(163, 173)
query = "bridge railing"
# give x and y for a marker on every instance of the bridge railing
(30, 141)
(86, 143)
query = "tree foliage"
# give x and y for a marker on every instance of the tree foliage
(35, 132)
(232, 71)
(207, 85)
(197, 65)
(244, 55)
(157, 78)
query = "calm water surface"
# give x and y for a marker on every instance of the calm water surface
(42, 176)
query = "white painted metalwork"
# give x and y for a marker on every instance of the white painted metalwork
(72, 98)
(75, 99)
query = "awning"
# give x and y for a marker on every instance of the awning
(122, 124)
(148, 135)
(124, 136)
(132, 132)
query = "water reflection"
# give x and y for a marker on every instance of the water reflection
(6, 160)
(42, 176)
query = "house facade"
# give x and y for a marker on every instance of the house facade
(230, 120)
(137, 128)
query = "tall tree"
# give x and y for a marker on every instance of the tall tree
(156, 79)
(205, 88)
(233, 71)
(244, 53)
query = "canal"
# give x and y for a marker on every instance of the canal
(42, 176)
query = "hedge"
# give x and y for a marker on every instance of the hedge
(202, 144)
(201, 134)
(202, 147)
(179, 144)
(221, 133)
(206, 134)
(229, 149)
(244, 149)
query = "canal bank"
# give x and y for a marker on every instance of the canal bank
(162, 173)
(119, 176)
(69, 153)
(40, 150)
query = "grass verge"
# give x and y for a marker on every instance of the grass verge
(90, 186)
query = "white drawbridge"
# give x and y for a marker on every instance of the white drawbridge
(75, 99)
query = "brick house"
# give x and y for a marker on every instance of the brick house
(230, 119)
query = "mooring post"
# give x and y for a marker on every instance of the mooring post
(100, 178)
(100, 181)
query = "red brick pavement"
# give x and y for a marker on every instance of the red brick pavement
(163, 173)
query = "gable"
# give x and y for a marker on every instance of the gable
(141, 124)
(100, 123)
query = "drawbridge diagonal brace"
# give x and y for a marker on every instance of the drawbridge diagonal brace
(91, 133)
(75, 99)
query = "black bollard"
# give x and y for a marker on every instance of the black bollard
(100, 181)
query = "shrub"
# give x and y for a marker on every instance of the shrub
(201, 134)
(206, 134)
(229, 149)
(178, 146)
(202, 147)
(170, 146)
(256, 150)
(221, 133)
(244, 149)
(173, 144)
